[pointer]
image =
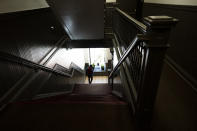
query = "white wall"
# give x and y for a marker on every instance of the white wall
(107, 55)
(20, 5)
(64, 58)
(108, 1)
(174, 2)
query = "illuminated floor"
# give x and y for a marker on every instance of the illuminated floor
(98, 79)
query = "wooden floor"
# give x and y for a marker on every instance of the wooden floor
(98, 79)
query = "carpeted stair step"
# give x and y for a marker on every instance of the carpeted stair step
(66, 117)
(77, 98)
(88, 108)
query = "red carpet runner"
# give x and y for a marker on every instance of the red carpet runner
(88, 108)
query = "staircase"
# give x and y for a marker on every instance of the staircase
(87, 108)
(141, 46)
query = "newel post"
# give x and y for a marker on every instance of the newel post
(158, 32)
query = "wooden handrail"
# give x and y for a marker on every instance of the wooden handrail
(126, 53)
(151, 53)
(19, 60)
(137, 23)
(15, 59)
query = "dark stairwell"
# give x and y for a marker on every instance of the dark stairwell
(35, 96)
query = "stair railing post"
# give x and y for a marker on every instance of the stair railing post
(158, 32)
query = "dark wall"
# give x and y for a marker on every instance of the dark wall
(183, 43)
(127, 5)
(175, 105)
(27, 34)
(10, 74)
(61, 83)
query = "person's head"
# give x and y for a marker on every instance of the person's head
(90, 65)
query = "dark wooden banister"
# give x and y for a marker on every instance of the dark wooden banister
(156, 31)
(126, 53)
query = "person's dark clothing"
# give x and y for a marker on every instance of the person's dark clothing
(90, 78)
(90, 74)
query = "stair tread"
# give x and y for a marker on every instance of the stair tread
(80, 110)
(83, 93)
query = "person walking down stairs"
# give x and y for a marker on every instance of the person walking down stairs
(90, 72)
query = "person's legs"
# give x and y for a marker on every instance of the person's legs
(91, 78)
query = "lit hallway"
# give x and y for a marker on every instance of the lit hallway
(97, 79)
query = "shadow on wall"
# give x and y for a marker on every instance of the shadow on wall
(176, 104)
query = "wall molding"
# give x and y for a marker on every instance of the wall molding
(174, 7)
(12, 15)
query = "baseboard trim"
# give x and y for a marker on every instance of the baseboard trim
(174, 7)
(40, 96)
